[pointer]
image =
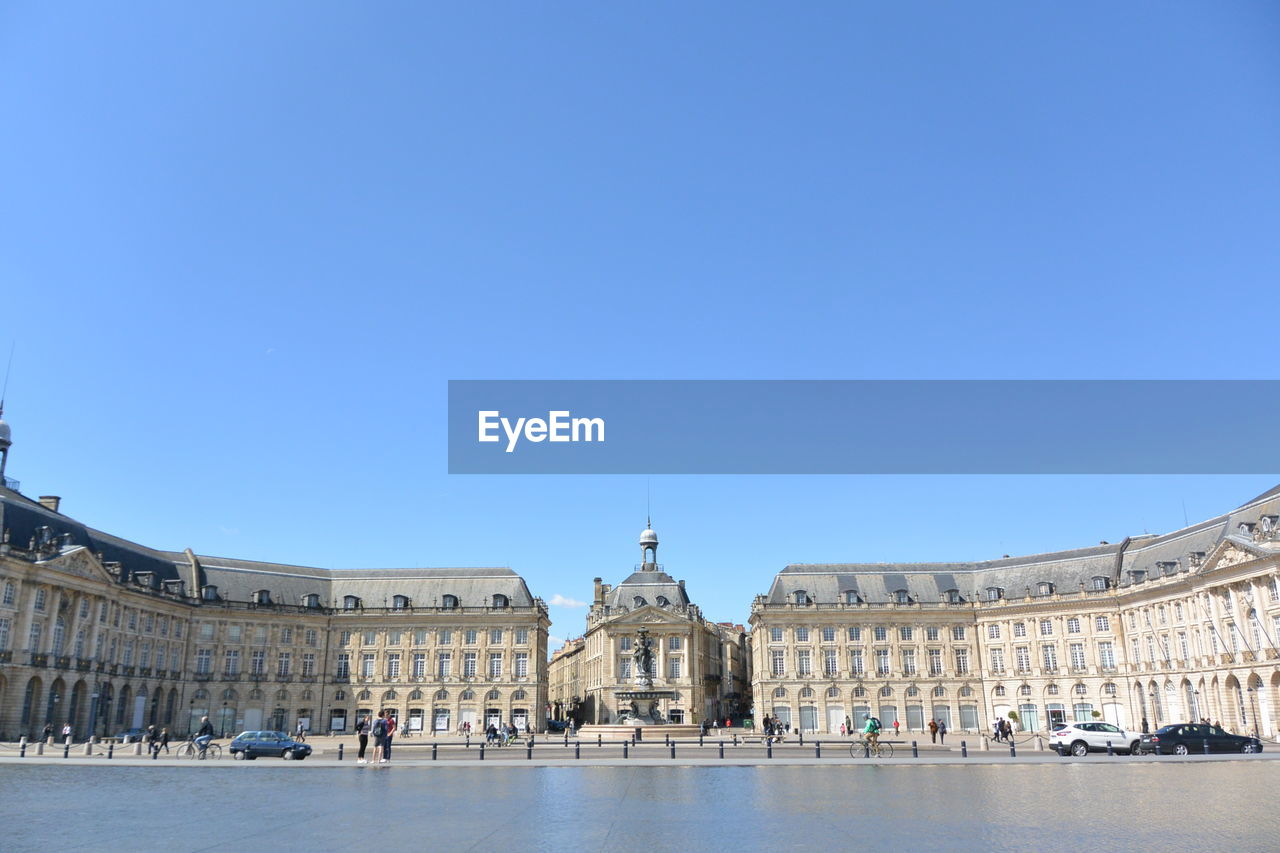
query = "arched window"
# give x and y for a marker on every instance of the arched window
(229, 695)
(311, 600)
(859, 692)
(780, 693)
(966, 691)
(939, 691)
(468, 695)
(1099, 583)
(995, 593)
(952, 596)
(886, 691)
(209, 592)
(449, 602)
(501, 600)
(262, 596)
(639, 601)
(1024, 690)
(340, 696)
(350, 602)
(399, 602)
(833, 692)
(1051, 690)
(663, 601)
(415, 696)
(282, 695)
(364, 696)
(442, 695)
(999, 691)
(1081, 690)
(519, 696)
(1044, 588)
(492, 696)
(307, 696)
(800, 596)
(851, 596)
(901, 596)
(806, 693)
(256, 694)
(913, 691)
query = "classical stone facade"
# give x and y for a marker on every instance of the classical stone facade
(1156, 628)
(702, 664)
(106, 634)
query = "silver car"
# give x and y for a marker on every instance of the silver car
(1083, 738)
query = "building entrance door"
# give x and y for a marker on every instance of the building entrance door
(835, 719)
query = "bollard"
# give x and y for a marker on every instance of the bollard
(566, 737)
(769, 750)
(155, 752)
(482, 752)
(722, 749)
(40, 747)
(673, 750)
(735, 739)
(577, 750)
(468, 740)
(528, 751)
(137, 748)
(340, 746)
(1110, 751)
(802, 738)
(88, 747)
(22, 749)
(915, 749)
(964, 749)
(1206, 746)
(1061, 749)
(624, 749)
(666, 740)
(699, 739)
(866, 750)
(434, 754)
(1013, 750)
(1040, 743)
(817, 749)
(598, 740)
(111, 748)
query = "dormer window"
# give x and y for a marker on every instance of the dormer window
(1167, 567)
(146, 579)
(1099, 583)
(800, 596)
(1246, 527)
(209, 592)
(1197, 558)
(663, 601)
(1044, 588)
(262, 596)
(901, 596)
(449, 602)
(501, 600)
(1137, 576)
(175, 587)
(995, 593)
(350, 602)
(399, 602)
(851, 597)
(311, 600)
(638, 601)
(952, 596)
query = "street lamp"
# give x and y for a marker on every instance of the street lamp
(224, 719)
(1253, 708)
(1196, 701)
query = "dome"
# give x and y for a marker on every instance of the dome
(4, 438)
(648, 537)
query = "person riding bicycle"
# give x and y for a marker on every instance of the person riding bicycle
(871, 731)
(205, 734)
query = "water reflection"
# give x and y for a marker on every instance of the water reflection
(1065, 806)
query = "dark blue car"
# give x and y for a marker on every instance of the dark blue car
(247, 745)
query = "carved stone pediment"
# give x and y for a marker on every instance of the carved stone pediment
(646, 617)
(80, 563)
(1229, 554)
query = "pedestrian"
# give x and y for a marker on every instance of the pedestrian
(842, 730)
(848, 724)
(153, 740)
(933, 731)
(164, 740)
(300, 735)
(997, 729)
(362, 737)
(1146, 727)
(942, 731)
(386, 738)
(895, 727)
(66, 732)
(379, 733)
(728, 724)
(48, 731)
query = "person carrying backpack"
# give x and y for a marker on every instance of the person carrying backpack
(872, 730)
(379, 735)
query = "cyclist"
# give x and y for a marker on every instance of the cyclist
(871, 731)
(204, 735)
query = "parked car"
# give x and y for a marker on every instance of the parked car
(1083, 738)
(130, 735)
(252, 744)
(1184, 738)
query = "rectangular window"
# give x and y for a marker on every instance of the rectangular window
(778, 663)
(286, 635)
(234, 633)
(4, 632)
(993, 632)
(829, 662)
(344, 665)
(369, 638)
(855, 635)
(522, 636)
(957, 632)
(495, 636)
(904, 633)
(311, 638)
(472, 637)
(419, 665)
(1046, 627)
(1022, 658)
(775, 635)
(309, 663)
(962, 661)
(908, 662)
(495, 664)
(367, 661)
(625, 643)
(344, 639)
(444, 637)
(175, 661)
(1077, 656)
(1101, 623)
(231, 662)
(1135, 656)
(828, 635)
(204, 661)
(935, 661)
(1073, 625)
(41, 595)
(102, 611)
(882, 661)
(393, 666)
(394, 638)
(283, 663)
(420, 637)
(444, 664)
(1177, 607)
(149, 626)
(469, 665)
(522, 664)
(128, 653)
(881, 635)
(856, 666)
(624, 667)
(10, 593)
(1182, 645)
(1049, 657)
(997, 661)
(674, 667)
(804, 665)
(164, 626)
(206, 632)
(1106, 656)
(1019, 629)
(932, 634)
(802, 635)
(674, 644)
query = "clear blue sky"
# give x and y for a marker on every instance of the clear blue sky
(244, 245)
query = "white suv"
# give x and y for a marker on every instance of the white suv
(1083, 738)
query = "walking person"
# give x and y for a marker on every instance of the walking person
(942, 731)
(164, 740)
(66, 732)
(300, 735)
(390, 730)
(933, 731)
(362, 738)
(895, 727)
(379, 732)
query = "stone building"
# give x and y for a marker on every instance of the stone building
(106, 634)
(1157, 628)
(692, 657)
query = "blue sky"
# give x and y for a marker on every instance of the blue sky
(243, 247)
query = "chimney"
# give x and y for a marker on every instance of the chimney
(599, 592)
(50, 502)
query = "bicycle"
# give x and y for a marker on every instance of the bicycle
(862, 747)
(190, 750)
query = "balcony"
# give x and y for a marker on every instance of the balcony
(39, 660)
(308, 679)
(62, 662)
(203, 676)
(342, 679)
(83, 664)
(6, 656)
(284, 678)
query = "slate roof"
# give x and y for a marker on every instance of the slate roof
(648, 584)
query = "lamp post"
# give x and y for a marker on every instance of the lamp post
(1253, 709)
(1196, 702)
(224, 719)
(1155, 709)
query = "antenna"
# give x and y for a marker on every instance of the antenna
(648, 512)
(9, 366)
(1185, 522)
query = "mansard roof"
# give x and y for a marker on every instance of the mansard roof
(648, 584)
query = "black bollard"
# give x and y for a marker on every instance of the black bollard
(915, 750)
(802, 738)
(866, 749)
(434, 754)
(964, 749)
(566, 737)
(1206, 747)
(1110, 751)
(340, 749)
(482, 752)
(722, 749)
(577, 750)
(817, 749)
(22, 750)
(1013, 750)
(673, 749)
(155, 753)
(111, 748)
(699, 739)
(624, 749)
(598, 740)
(468, 740)
(528, 750)
(666, 740)
(735, 739)
(769, 750)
